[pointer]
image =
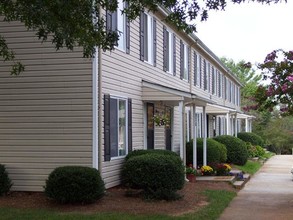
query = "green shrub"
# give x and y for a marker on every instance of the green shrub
(260, 151)
(236, 149)
(252, 138)
(5, 182)
(142, 152)
(216, 152)
(74, 184)
(159, 175)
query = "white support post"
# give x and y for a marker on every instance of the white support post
(181, 128)
(188, 125)
(194, 156)
(246, 125)
(236, 126)
(228, 124)
(204, 115)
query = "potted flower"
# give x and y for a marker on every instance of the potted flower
(190, 173)
(206, 171)
(161, 119)
(223, 169)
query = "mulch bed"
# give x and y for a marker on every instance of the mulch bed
(116, 200)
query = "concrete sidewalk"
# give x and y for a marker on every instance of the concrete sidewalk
(267, 196)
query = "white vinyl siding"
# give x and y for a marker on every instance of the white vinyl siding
(45, 112)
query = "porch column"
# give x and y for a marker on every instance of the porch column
(193, 125)
(246, 125)
(228, 124)
(181, 128)
(204, 115)
(188, 125)
(236, 126)
(250, 125)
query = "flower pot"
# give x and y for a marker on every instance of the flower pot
(191, 178)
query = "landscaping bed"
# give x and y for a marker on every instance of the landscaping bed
(116, 201)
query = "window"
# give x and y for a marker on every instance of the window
(184, 61)
(205, 75)
(200, 71)
(220, 83)
(214, 80)
(198, 125)
(118, 22)
(195, 69)
(169, 51)
(118, 132)
(148, 38)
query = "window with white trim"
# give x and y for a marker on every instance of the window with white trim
(184, 61)
(117, 126)
(148, 38)
(121, 25)
(169, 50)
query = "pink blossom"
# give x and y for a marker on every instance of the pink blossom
(284, 87)
(290, 78)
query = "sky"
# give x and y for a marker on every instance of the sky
(248, 31)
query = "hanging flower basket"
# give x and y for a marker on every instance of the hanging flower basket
(161, 120)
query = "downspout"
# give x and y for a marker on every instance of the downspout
(100, 100)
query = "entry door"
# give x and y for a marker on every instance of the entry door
(168, 129)
(150, 126)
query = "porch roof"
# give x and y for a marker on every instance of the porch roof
(218, 110)
(244, 116)
(156, 92)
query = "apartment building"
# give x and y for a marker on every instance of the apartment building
(160, 88)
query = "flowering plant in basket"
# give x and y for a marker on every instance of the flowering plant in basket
(190, 170)
(206, 171)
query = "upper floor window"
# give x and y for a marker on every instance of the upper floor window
(220, 83)
(148, 39)
(214, 80)
(205, 75)
(118, 22)
(195, 69)
(184, 61)
(169, 51)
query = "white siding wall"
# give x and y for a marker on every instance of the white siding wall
(45, 112)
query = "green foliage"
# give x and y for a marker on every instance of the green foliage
(250, 167)
(255, 151)
(236, 149)
(74, 184)
(79, 24)
(143, 152)
(278, 134)
(159, 175)
(252, 138)
(5, 182)
(216, 152)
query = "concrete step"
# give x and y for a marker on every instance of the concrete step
(239, 184)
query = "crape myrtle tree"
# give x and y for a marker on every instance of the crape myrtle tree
(70, 23)
(277, 69)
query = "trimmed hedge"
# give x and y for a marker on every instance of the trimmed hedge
(158, 175)
(216, 152)
(5, 182)
(252, 138)
(74, 184)
(143, 152)
(236, 149)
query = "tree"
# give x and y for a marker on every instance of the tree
(278, 70)
(250, 80)
(70, 23)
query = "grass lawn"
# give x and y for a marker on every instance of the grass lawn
(218, 201)
(250, 167)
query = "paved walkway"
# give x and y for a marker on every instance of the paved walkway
(267, 196)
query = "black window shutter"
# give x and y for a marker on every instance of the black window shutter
(188, 64)
(155, 40)
(194, 67)
(129, 125)
(164, 48)
(107, 151)
(127, 33)
(181, 59)
(141, 35)
(174, 55)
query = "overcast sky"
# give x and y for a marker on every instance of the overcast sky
(248, 31)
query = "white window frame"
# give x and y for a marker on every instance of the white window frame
(185, 62)
(118, 98)
(121, 26)
(150, 39)
(170, 50)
